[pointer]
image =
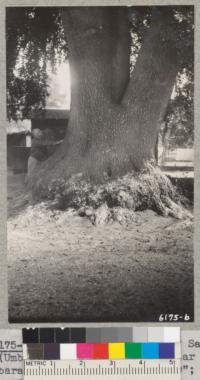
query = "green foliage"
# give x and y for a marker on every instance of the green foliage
(179, 118)
(182, 21)
(34, 36)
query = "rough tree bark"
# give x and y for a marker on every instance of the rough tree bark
(114, 119)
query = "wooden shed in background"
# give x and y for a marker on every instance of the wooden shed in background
(19, 135)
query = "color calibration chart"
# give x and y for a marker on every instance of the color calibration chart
(106, 343)
(107, 353)
(140, 353)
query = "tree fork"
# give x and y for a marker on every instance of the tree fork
(104, 133)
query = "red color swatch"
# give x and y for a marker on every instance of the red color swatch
(100, 351)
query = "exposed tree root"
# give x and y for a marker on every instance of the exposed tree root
(119, 199)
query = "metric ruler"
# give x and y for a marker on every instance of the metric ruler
(102, 369)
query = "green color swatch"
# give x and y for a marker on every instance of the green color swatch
(133, 350)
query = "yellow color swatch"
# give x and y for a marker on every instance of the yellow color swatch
(116, 350)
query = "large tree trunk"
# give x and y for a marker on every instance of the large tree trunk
(99, 61)
(114, 120)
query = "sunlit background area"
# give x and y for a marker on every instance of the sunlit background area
(59, 86)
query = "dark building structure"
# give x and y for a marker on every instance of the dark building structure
(19, 135)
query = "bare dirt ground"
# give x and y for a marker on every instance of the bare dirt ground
(62, 268)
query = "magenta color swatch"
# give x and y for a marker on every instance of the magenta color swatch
(85, 351)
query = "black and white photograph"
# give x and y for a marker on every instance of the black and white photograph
(100, 163)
